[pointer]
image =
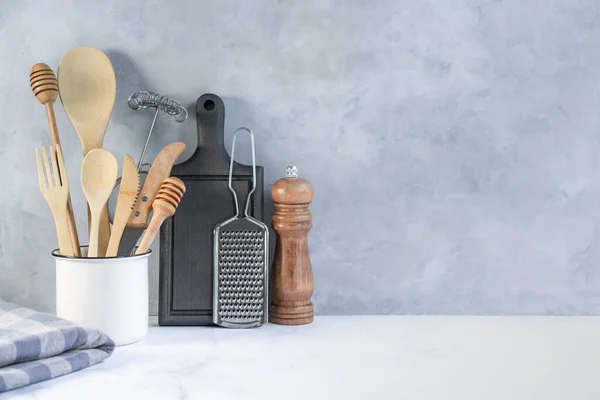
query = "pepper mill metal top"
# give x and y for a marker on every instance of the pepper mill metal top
(292, 282)
(291, 172)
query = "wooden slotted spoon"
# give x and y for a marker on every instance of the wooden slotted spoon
(87, 87)
(98, 176)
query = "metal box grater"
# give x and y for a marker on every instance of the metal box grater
(241, 246)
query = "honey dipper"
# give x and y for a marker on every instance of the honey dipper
(164, 205)
(45, 88)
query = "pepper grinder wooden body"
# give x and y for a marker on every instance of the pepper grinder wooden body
(292, 281)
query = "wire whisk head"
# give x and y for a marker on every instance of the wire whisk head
(145, 99)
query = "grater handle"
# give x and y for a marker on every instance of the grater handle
(237, 208)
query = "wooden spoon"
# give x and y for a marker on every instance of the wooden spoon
(163, 206)
(87, 85)
(88, 88)
(45, 88)
(128, 193)
(98, 176)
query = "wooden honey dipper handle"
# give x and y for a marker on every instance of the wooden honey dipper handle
(52, 123)
(164, 205)
(45, 88)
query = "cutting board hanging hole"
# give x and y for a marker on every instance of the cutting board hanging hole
(209, 105)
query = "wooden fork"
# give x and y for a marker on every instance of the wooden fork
(55, 188)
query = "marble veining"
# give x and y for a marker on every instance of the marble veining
(453, 145)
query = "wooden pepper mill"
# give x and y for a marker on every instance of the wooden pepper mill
(292, 282)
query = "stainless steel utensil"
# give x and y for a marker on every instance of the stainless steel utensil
(144, 99)
(241, 246)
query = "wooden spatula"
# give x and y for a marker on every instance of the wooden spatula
(128, 193)
(98, 176)
(87, 87)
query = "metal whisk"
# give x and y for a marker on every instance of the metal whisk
(144, 99)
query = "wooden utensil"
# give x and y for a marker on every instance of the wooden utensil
(164, 206)
(87, 84)
(159, 171)
(186, 241)
(98, 176)
(45, 88)
(138, 220)
(128, 193)
(55, 188)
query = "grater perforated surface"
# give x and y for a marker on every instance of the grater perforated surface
(241, 283)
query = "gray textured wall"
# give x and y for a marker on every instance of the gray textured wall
(454, 145)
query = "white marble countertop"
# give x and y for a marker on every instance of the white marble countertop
(361, 357)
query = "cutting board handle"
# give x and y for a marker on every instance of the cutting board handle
(210, 117)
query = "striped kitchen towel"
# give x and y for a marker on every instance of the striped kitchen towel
(37, 346)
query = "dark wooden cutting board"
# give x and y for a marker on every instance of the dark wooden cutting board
(186, 239)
